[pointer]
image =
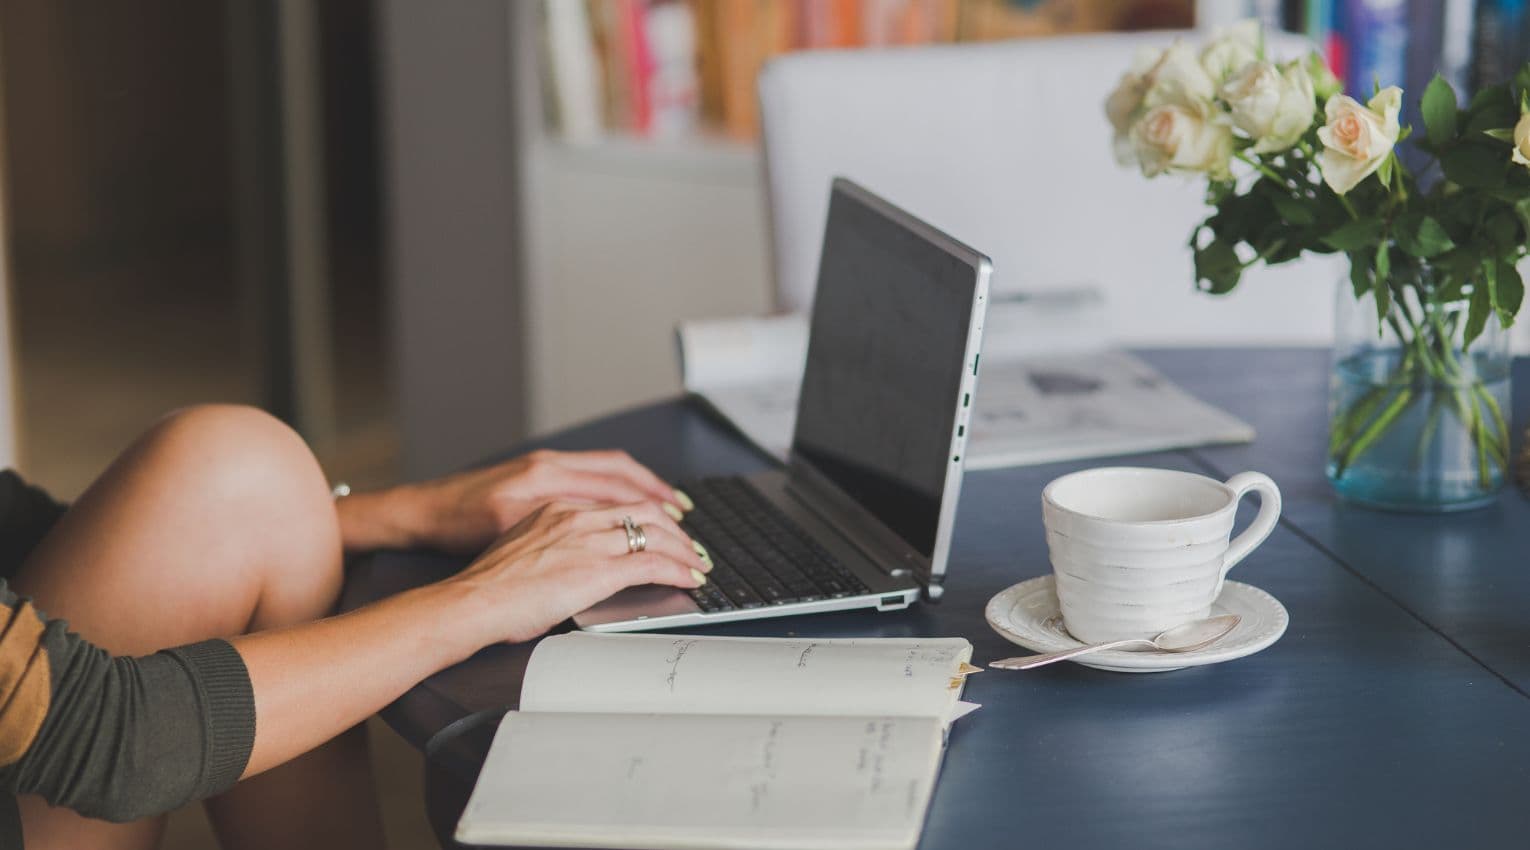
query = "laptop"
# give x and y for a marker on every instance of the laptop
(861, 515)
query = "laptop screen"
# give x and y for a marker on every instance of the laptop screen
(884, 366)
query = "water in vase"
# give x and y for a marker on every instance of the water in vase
(1430, 454)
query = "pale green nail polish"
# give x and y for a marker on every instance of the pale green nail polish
(699, 576)
(685, 501)
(674, 512)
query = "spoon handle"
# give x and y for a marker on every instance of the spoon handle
(1026, 662)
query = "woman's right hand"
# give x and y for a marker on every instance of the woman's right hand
(565, 557)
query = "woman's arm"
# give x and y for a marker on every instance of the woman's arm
(124, 738)
(314, 681)
(465, 511)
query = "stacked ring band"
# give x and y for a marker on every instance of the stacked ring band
(637, 541)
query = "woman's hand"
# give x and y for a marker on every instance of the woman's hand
(559, 560)
(464, 512)
(565, 557)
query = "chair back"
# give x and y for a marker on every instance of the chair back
(1006, 147)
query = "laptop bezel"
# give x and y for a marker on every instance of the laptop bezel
(883, 545)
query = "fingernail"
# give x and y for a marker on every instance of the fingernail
(685, 501)
(701, 552)
(674, 513)
(699, 576)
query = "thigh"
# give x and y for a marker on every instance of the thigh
(216, 522)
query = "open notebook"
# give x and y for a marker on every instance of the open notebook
(665, 741)
(1049, 390)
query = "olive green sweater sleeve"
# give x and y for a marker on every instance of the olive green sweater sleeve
(115, 738)
(26, 514)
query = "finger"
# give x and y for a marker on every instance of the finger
(614, 543)
(647, 513)
(567, 483)
(622, 465)
(650, 568)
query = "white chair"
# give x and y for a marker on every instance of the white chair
(1006, 147)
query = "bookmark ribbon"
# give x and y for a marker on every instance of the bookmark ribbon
(962, 673)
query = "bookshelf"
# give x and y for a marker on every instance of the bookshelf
(630, 230)
(631, 227)
(623, 236)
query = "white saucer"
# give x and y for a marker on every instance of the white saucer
(1027, 614)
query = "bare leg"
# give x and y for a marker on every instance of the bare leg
(218, 522)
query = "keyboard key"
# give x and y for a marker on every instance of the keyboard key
(760, 558)
(710, 599)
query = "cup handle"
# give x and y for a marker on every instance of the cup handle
(1263, 524)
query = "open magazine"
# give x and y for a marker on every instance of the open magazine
(1048, 390)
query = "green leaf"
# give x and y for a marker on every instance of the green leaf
(1439, 110)
(1383, 290)
(1475, 166)
(1384, 171)
(1522, 209)
(1477, 313)
(1219, 266)
(1522, 79)
(1452, 288)
(1500, 134)
(1422, 236)
(1510, 194)
(1217, 191)
(1508, 293)
(1359, 274)
(1239, 217)
(1502, 231)
(1293, 210)
(1356, 234)
(1491, 107)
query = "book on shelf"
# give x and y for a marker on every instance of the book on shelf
(670, 68)
(673, 741)
(1048, 390)
(1471, 43)
(1499, 41)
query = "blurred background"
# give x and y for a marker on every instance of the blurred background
(421, 232)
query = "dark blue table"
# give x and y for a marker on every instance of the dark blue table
(1394, 713)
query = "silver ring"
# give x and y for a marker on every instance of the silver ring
(637, 541)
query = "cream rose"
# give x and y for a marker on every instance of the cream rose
(1231, 49)
(1182, 137)
(1274, 106)
(1122, 108)
(1156, 77)
(1177, 77)
(1522, 140)
(1357, 138)
(1324, 83)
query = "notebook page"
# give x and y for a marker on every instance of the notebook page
(713, 675)
(704, 781)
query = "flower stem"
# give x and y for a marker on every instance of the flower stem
(1374, 430)
(1263, 169)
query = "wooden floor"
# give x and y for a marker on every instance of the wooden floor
(102, 354)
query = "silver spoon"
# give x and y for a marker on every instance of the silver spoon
(1185, 637)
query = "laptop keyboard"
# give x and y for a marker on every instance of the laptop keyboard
(759, 557)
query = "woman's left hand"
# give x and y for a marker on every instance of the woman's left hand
(466, 511)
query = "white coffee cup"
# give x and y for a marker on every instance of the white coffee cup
(1136, 551)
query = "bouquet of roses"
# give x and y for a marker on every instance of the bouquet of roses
(1294, 165)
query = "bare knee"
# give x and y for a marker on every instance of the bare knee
(267, 489)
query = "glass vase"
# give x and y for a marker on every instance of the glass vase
(1416, 418)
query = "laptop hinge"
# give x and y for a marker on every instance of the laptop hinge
(881, 545)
